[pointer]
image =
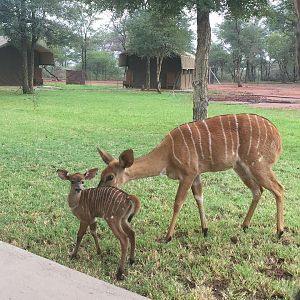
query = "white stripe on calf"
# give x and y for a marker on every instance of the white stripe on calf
(114, 200)
(110, 200)
(121, 200)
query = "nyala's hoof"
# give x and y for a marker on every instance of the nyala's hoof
(245, 228)
(73, 256)
(279, 234)
(205, 232)
(131, 261)
(120, 275)
(168, 239)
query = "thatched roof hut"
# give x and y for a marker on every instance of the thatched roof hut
(176, 71)
(11, 62)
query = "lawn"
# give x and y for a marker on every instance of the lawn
(61, 128)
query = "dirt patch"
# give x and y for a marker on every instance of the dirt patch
(274, 268)
(218, 287)
(260, 95)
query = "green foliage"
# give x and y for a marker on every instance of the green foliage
(151, 34)
(283, 17)
(245, 9)
(280, 48)
(103, 65)
(258, 45)
(63, 129)
(27, 18)
(253, 40)
(218, 58)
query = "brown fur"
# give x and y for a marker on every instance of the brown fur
(248, 143)
(109, 203)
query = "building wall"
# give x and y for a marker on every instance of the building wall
(186, 79)
(10, 66)
(172, 76)
(75, 77)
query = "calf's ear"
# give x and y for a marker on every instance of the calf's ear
(63, 174)
(90, 174)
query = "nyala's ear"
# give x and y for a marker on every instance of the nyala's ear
(90, 174)
(126, 159)
(106, 157)
(63, 174)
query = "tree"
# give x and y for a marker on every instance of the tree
(151, 35)
(119, 29)
(203, 9)
(252, 42)
(81, 18)
(218, 57)
(279, 49)
(297, 8)
(230, 32)
(244, 41)
(102, 65)
(283, 20)
(24, 22)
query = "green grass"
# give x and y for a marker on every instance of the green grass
(61, 128)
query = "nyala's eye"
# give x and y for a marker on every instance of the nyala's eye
(109, 177)
(82, 182)
(73, 182)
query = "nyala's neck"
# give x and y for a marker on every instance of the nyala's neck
(151, 164)
(73, 199)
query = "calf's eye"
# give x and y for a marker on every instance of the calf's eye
(109, 177)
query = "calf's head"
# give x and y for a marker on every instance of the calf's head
(77, 179)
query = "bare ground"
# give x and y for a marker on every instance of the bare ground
(268, 95)
(273, 95)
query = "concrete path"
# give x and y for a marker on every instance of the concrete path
(26, 276)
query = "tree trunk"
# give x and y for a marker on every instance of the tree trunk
(297, 8)
(261, 71)
(298, 45)
(24, 49)
(31, 47)
(238, 72)
(85, 56)
(200, 96)
(24, 55)
(31, 66)
(148, 75)
(239, 57)
(253, 73)
(247, 76)
(222, 71)
(82, 57)
(159, 61)
(282, 72)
